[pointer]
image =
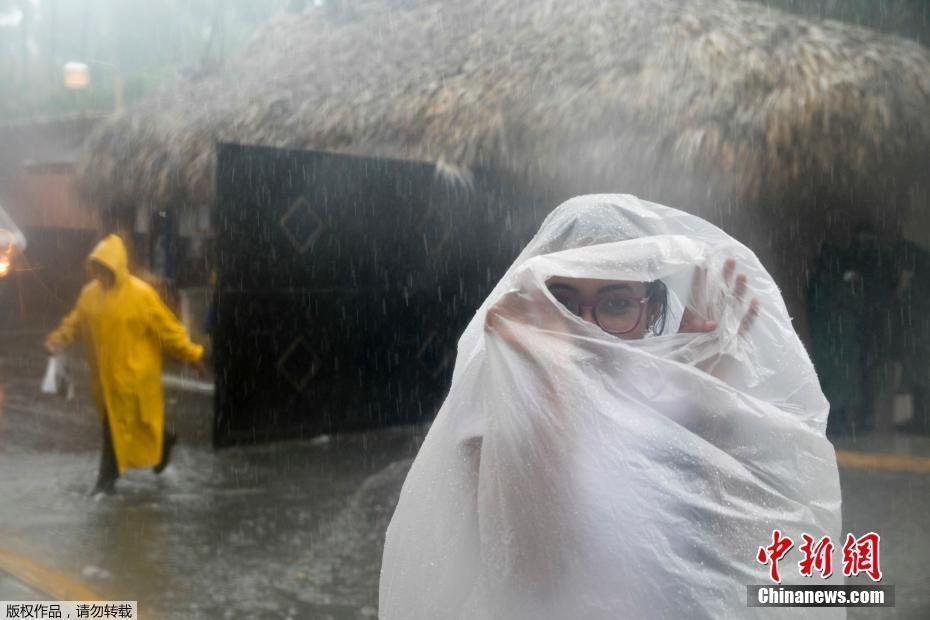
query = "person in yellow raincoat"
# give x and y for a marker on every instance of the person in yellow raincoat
(125, 328)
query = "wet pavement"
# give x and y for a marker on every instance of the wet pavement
(12, 589)
(286, 530)
(292, 529)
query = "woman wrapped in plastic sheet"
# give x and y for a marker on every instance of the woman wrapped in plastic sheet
(631, 415)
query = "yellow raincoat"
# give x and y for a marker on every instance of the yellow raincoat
(125, 329)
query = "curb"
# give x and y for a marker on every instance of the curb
(45, 580)
(848, 459)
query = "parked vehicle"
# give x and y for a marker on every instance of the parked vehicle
(12, 242)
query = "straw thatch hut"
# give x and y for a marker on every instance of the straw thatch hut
(772, 125)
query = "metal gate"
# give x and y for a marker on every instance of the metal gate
(343, 284)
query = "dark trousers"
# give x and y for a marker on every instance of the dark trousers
(109, 471)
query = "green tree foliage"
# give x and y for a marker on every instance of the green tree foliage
(129, 46)
(132, 45)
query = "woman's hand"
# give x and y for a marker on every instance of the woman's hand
(503, 316)
(692, 323)
(51, 348)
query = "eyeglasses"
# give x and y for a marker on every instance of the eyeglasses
(615, 313)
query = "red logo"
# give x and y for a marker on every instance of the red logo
(774, 552)
(860, 555)
(817, 557)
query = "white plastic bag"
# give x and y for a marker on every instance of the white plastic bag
(57, 379)
(49, 383)
(570, 473)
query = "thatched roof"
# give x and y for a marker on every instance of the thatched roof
(712, 96)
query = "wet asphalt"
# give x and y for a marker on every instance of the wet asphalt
(290, 529)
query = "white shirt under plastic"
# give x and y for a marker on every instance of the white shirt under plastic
(572, 474)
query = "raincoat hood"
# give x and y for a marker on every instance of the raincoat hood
(111, 253)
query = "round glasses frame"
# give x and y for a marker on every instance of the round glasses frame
(641, 302)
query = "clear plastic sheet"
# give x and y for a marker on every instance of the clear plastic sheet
(571, 473)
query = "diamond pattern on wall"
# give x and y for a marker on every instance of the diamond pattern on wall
(301, 225)
(298, 364)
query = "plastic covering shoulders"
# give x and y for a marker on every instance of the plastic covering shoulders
(571, 473)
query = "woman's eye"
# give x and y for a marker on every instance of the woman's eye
(616, 306)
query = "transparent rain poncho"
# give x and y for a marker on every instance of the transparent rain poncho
(574, 474)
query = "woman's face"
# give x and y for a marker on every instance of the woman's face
(618, 307)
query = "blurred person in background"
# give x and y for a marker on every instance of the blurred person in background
(851, 302)
(125, 327)
(871, 263)
(835, 311)
(910, 322)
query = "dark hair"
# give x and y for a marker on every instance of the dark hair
(658, 304)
